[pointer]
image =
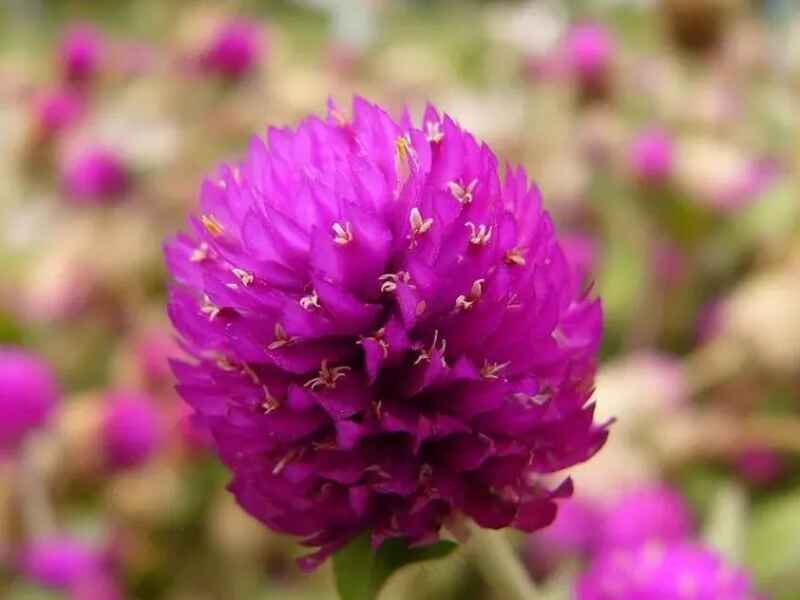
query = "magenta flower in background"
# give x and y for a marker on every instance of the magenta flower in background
(581, 252)
(29, 394)
(755, 178)
(709, 321)
(573, 534)
(385, 333)
(651, 156)
(131, 430)
(54, 111)
(60, 562)
(153, 351)
(100, 587)
(650, 514)
(589, 53)
(70, 565)
(80, 54)
(194, 433)
(663, 572)
(96, 175)
(235, 49)
(760, 465)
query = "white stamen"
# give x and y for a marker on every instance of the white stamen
(243, 276)
(379, 337)
(212, 225)
(281, 338)
(476, 291)
(200, 253)
(425, 354)
(209, 308)
(418, 224)
(389, 281)
(225, 364)
(327, 377)
(404, 147)
(491, 370)
(290, 456)
(461, 193)
(342, 234)
(270, 402)
(515, 257)
(434, 132)
(311, 301)
(480, 235)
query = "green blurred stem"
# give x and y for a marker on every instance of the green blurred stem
(34, 502)
(493, 555)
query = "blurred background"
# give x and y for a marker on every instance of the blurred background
(663, 134)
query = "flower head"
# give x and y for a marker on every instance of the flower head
(663, 572)
(573, 534)
(80, 54)
(70, 565)
(645, 515)
(131, 431)
(385, 333)
(28, 395)
(54, 111)
(59, 562)
(651, 156)
(234, 50)
(153, 350)
(760, 465)
(95, 175)
(589, 51)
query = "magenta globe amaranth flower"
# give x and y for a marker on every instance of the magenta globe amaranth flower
(29, 394)
(385, 333)
(95, 175)
(760, 465)
(54, 111)
(234, 50)
(130, 431)
(663, 572)
(71, 565)
(589, 53)
(80, 54)
(573, 534)
(645, 515)
(59, 562)
(651, 156)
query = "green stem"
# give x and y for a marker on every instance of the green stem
(37, 513)
(493, 555)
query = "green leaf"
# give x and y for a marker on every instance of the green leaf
(727, 522)
(361, 571)
(773, 549)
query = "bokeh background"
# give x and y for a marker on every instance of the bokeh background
(664, 137)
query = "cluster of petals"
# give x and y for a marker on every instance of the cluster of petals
(664, 572)
(29, 394)
(384, 333)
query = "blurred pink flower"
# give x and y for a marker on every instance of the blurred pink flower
(589, 53)
(760, 465)
(29, 394)
(131, 431)
(80, 53)
(56, 110)
(644, 515)
(153, 351)
(650, 156)
(235, 49)
(95, 175)
(663, 572)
